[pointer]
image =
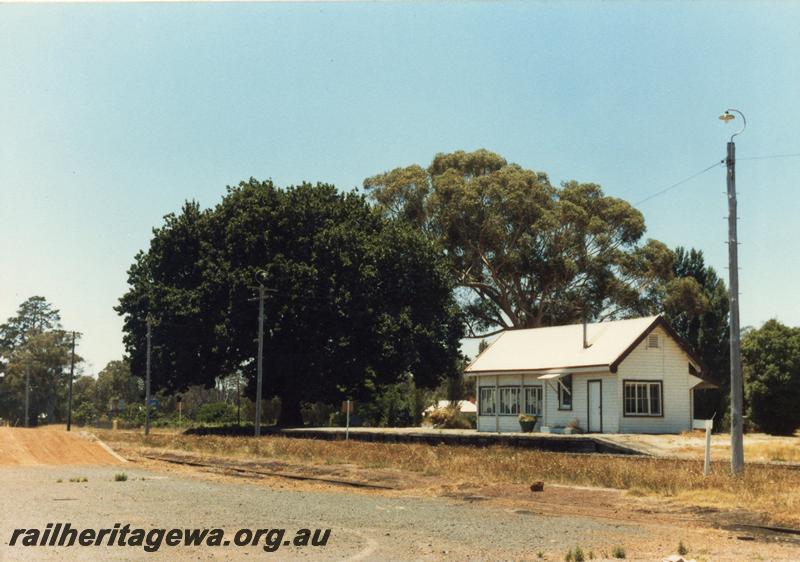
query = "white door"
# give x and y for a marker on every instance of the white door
(595, 406)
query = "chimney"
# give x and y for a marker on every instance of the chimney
(585, 340)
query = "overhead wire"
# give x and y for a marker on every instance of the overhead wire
(679, 183)
(711, 167)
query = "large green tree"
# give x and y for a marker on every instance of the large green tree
(44, 360)
(771, 358)
(33, 316)
(358, 302)
(526, 253)
(32, 342)
(695, 300)
(115, 382)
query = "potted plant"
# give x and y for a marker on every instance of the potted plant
(527, 422)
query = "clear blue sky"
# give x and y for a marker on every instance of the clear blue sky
(112, 115)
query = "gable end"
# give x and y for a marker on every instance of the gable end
(659, 321)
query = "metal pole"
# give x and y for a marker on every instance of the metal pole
(69, 394)
(737, 439)
(147, 380)
(260, 358)
(27, 394)
(238, 398)
(347, 424)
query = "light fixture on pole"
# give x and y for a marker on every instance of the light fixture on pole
(737, 385)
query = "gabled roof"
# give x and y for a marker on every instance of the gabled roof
(561, 347)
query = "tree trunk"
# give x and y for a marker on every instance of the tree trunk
(290, 410)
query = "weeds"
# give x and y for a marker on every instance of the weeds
(618, 552)
(120, 477)
(78, 479)
(682, 550)
(769, 489)
(575, 555)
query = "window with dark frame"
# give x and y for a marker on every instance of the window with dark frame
(487, 401)
(565, 393)
(533, 400)
(643, 398)
(509, 400)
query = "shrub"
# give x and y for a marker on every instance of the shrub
(216, 413)
(317, 414)
(682, 550)
(120, 477)
(85, 413)
(575, 555)
(449, 417)
(618, 552)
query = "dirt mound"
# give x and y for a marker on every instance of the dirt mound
(50, 446)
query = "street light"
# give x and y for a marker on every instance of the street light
(737, 390)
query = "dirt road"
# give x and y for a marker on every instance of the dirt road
(492, 523)
(50, 446)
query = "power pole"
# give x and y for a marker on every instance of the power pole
(71, 374)
(260, 357)
(27, 394)
(147, 380)
(238, 398)
(737, 384)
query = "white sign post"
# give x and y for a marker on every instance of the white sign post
(707, 464)
(347, 406)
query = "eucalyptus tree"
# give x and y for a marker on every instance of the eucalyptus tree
(526, 253)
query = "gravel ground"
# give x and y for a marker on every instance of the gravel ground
(363, 526)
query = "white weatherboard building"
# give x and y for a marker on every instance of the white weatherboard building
(626, 376)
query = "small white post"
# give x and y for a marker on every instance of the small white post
(707, 464)
(347, 426)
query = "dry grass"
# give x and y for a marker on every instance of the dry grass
(773, 490)
(787, 451)
(690, 444)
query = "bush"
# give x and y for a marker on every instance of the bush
(618, 552)
(85, 413)
(392, 405)
(216, 413)
(449, 417)
(317, 414)
(575, 555)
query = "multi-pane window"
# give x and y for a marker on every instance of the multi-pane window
(487, 401)
(565, 393)
(509, 400)
(533, 400)
(643, 398)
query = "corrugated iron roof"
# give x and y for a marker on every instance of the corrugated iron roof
(558, 347)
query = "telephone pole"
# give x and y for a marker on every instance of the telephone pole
(71, 374)
(260, 357)
(262, 292)
(27, 394)
(737, 384)
(147, 380)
